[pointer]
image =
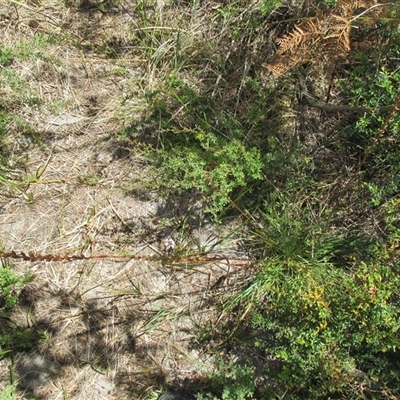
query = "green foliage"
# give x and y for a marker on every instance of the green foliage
(10, 285)
(324, 305)
(31, 49)
(232, 381)
(14, 337)
(209, 153)
(391, 211)
(9, 393)
(217, 172)
(17, 88)
(292, 234)
(324, 323)
(11, 335)
(373, 83)
(269, 5)
(13, 84)
(6, 56)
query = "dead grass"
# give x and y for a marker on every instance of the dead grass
(115, 329)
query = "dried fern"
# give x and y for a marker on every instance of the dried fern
(336, 41)
(347, 8)
(299, 39)
(324, 37)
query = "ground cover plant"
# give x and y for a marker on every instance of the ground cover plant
(200, 196)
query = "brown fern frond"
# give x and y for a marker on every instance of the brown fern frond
(277, 68)
(317, 38)
(295, 47)
(337, 36)
(292, 40)
(300, 36)
(282, 64)
(347, 7)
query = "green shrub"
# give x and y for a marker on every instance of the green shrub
(10, 286)
(209, 153)
(323, 323)
(13, 336)
(231, 382)
(6, 56)
(217, 172)
(325, 305)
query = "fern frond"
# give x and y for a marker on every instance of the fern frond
(323, 37)
(278, 69)
(300, 35)
(281, 64)
(347, 7)
(337, 36)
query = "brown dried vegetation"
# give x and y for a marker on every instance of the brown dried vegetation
(323, 37)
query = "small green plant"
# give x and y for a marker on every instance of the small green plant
(9, 393)
(209, 154)
(231, 382)
(6, 56)
(34, 48)
(10, 286)
(13, 336)
(269, 5)
(16, 87)
(217, 172)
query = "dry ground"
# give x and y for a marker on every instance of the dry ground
(116, 327)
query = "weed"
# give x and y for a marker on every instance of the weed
(210, 153)
(10, 285)
(13, 336)
(232, 382)
(6, 56)
(9, 393)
